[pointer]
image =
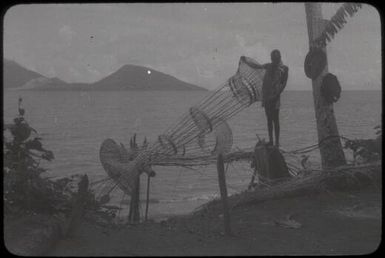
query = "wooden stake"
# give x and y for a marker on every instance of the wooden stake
(332, 154)
(133, 216)
(137, 201)
(148, 196)
(78, 206)
(223, 190)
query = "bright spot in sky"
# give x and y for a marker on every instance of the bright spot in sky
(148, 72)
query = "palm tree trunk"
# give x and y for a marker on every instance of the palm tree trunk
(332, 154)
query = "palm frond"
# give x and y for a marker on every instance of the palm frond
(336, 23)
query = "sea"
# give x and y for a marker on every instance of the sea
(73, 125)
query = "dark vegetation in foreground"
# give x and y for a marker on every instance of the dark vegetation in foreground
(26, 189)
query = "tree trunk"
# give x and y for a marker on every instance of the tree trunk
(332, 154)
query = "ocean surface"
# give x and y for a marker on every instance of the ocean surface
(74, 124)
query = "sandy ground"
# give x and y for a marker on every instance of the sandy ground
(324, 224)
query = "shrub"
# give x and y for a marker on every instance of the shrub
(25, 190)
(24, 187)
(366, 150)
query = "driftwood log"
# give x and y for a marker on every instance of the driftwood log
(343, 178)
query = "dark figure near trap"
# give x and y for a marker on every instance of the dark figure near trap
(274, 82)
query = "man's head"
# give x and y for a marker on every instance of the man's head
(275, 56)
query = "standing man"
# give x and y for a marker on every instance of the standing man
(274, 82)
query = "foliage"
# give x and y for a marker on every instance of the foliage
(337, 22)
(98, 210)
(25, 189)
(366, 150)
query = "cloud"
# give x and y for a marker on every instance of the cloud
(94, 72)
(211, 68)
(73, 72)
(195, 44)
(51, 72)
(113, 37)
(241, 40)
(67, 34)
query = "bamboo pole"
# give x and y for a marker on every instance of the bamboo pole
(223, 190)
(332, 154)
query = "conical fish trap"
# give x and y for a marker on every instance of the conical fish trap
(202, 129)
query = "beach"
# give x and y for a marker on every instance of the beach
(339, 223)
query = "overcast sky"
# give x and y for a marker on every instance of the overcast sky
(196, 42)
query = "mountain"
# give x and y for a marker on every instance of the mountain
(133, 77)
(44, 83)
(128, 77)
(14, 75)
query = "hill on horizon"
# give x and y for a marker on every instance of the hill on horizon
(134, 77)
(15, 75)
(128, 77)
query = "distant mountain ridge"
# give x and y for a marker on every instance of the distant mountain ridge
(128, 77)
(135, 77)
(15, 76)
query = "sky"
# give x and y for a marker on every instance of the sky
(196, 42)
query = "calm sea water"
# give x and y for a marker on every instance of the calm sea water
(73, 125)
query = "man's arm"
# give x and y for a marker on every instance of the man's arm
(252, 63)
(284, 79)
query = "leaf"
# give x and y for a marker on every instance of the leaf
(344, 13)
(350, 10)
(327, 38)
(336, 23)
(48, 155)
(330, 30)
(104, 199)
(334, 28)
(288, 223)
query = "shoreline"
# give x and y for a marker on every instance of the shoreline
(327, 221)
(326, 227)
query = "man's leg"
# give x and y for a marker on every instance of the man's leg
(275, 118)
(269, 123)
